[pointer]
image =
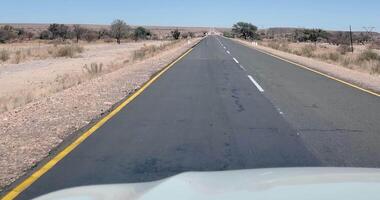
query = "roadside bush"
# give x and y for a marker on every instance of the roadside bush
(368, 55)
(90, 36)
(93, 69)
(68, 51)
(228, 34)
(334, 56)
(4, 55)
(274, 45)
(343, 49)
(19, 56)
(141, 33)
(308, 50)
(46, 35)
(6, 34)
(176, 34)
(375, 45)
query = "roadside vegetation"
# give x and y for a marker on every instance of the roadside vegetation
(329, 46)
(66, 41)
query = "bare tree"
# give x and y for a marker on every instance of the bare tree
(78, 31)
(119, 29)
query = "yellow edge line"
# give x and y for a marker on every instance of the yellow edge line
(315, 71)
(37, 174)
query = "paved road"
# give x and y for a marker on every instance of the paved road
(206, 113)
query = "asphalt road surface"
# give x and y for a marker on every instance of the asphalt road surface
(225, 106)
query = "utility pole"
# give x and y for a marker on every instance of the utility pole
(352, 46)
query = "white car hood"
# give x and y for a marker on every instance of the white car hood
(255, 184)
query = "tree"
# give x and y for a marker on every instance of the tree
(7, 33)
(176, 34)
(119, 29)
(46, 35)
(313, 35)
(59, 31)
(141, 33)
(102, 33)
(78, 32)
(245, 30)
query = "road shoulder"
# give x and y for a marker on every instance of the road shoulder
(356, 78)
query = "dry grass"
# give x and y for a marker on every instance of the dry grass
(4, 55)
(69, 51)
(65, 80)
(151, 50)
(363, 59)
(19, 54)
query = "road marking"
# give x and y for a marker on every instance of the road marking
(242, 67)
(255, 83)
(236, 60)
(13, 193)
(224, 47)
(318, 72)
(228, 52)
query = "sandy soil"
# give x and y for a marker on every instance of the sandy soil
(36, 77)
(29, 133)
(360, 78)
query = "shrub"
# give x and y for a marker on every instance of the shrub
(7, 34)
(59, 31)
(94, 68)
(141, 33)
(176, 34)
(46, 35)
(4, 55)
(334, 56)
(68, 51)
(228, 34)
(90, 36)
(18, 57)
(343, 49)
(274, 45)
(376, 68)
(308, 50)
(368, 55)
(375, 45)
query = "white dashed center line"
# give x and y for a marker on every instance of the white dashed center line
(242, 67)
(236, 60)
(228, 52)
(255, 83)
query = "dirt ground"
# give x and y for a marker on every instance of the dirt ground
(28, 133)
(352, 75)
(39, 74)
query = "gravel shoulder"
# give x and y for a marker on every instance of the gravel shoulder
(362, 79)
(30, 132)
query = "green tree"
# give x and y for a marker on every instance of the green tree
(245, 30)
(176, 34)
(141, 33)
(313, 35)
(59, 31)
(119, 29)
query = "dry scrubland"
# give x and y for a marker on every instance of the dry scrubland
(67, 93)
(360, 67)
(38, 69)
(365, 58)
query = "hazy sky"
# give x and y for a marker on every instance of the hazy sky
(218, 13)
